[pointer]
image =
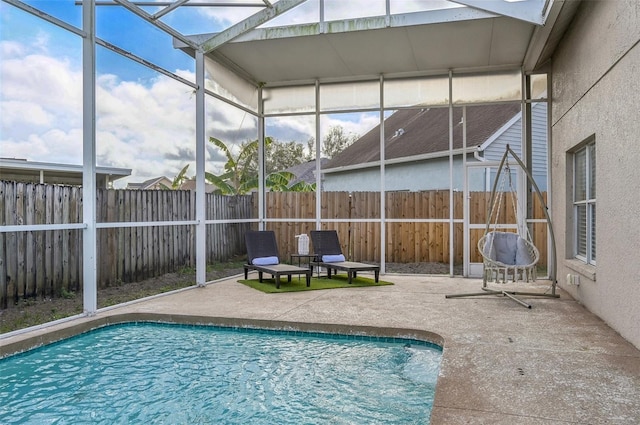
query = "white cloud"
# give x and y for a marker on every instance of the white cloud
(364, 123)
(41, 41)
(16, 111)
(138, 125)
(42, 113)
(147, 126)
(54, 145)
(41, 103)
(11, 49)
(38, 78)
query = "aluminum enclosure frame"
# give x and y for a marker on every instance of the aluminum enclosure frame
(536, 55)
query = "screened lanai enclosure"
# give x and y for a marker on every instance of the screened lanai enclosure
(384, 120)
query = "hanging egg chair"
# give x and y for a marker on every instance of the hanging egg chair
(507, 256)
(511, 256)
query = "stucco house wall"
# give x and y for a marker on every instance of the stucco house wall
(596, 92)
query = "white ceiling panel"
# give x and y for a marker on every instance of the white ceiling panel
(374, 52)
(510, 41)
(461, 39)
(460, 45)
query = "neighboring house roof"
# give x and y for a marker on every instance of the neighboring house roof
(413, 132)
(161, 182)
(306, 171)
(22, 170)
(165, 183)
(190, 184)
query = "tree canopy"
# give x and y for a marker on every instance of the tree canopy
(334, 142)
(240, 171)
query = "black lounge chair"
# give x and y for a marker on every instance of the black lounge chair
(326, 247)
(262, 256)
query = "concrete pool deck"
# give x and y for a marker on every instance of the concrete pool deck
(502, 363)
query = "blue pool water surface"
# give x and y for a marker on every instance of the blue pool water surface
(151, 373)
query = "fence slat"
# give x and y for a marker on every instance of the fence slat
(3, 255)
(49, 242)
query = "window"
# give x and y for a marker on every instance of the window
(584, 202)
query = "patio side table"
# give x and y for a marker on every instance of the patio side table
(300, 257)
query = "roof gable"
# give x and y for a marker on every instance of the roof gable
(161, 182)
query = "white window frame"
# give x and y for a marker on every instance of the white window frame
(589, 256)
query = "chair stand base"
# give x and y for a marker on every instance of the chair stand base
(509, 294)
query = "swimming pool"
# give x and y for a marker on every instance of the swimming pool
(167, 373)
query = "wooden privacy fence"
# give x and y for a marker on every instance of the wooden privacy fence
(47, 263)
(406, 242)
(136, 253)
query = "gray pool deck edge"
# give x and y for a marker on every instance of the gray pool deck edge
(556, 363)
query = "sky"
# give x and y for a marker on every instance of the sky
(145, 120)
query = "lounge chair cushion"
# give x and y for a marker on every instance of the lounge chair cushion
(335, 258)
(265, 261)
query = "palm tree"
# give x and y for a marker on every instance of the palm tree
(237, 176)
(180, 178)
(240, 175)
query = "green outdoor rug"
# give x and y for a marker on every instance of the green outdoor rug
(340, 281)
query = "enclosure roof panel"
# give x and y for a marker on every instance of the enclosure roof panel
(472, 36)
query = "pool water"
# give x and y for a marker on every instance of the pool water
(178, 374)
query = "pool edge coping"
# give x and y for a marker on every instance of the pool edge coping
(50, 336)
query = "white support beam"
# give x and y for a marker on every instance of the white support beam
(322, 23)
(40, 14)
(144, 62)
(451, 205)
(248, 24)
(164, 27)
(531, 11)
(168, 9)
(318, 159)
(89, 238)
(369, 23)
(169, 3)
(262, 190)
(383, 190)
(201, 196)
(52, 19)
(466, 251)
